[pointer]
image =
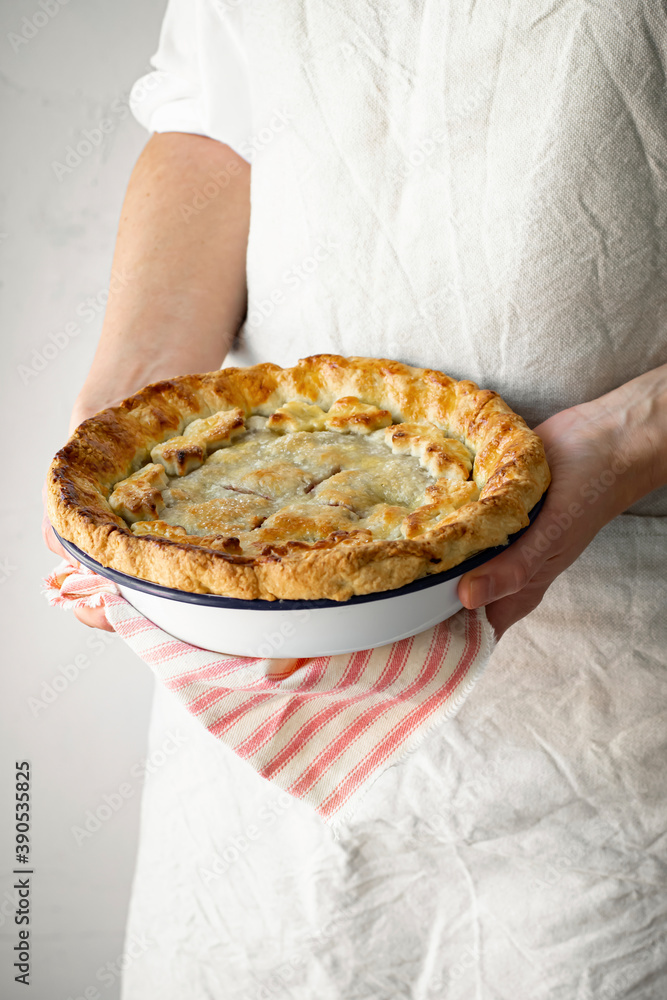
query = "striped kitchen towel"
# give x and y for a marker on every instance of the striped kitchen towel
(323, 729)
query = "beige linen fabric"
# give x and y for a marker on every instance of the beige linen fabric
(520, 852)
(486, 183)
(480, 187)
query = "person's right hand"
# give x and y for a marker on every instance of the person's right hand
(93, 617)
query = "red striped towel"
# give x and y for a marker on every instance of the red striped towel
(323, 728)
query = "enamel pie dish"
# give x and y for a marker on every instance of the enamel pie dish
(312, 510)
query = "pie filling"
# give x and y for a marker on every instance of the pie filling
(298, 476)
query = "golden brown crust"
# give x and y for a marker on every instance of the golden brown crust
(441, 455)
(185, 452)
(509, 471)
(140, 495)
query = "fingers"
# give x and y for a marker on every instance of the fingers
(546, 541)
(508, 573)
(51, 541)
(508, 610)
(48, 533)
(514, 583)
(93, 618)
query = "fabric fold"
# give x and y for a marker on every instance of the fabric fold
(321, 728)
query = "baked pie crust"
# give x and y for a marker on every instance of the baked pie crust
(337, 477)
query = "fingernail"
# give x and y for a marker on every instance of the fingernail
(481, 591)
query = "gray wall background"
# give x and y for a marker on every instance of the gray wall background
(72, 65)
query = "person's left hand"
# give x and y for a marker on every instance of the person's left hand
(592, 481)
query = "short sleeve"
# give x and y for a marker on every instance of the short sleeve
(200, 80)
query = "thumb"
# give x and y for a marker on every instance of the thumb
(506, 574)
(94, 618)
(512, 570)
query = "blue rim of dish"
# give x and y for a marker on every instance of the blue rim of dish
(216, 601)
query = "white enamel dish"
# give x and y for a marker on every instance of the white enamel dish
(295, 628)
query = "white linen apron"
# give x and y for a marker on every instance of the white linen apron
(479, 187)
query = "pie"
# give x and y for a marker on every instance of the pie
(336, 477)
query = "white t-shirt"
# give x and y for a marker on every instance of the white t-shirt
(200, 82)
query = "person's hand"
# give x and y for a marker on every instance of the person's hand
(93, 617)
(593, 480)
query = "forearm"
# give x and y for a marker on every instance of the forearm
(177, 294)
(632, 420)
